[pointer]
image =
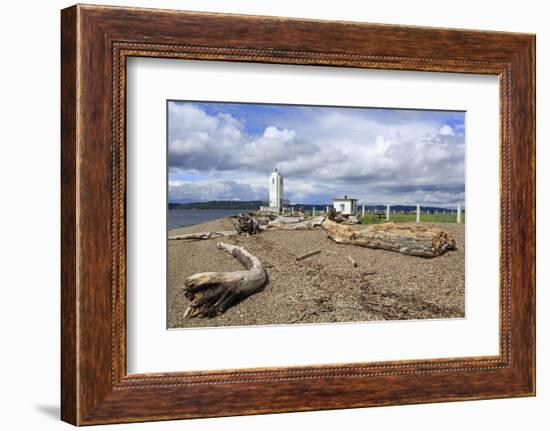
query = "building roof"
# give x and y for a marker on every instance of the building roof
(345, 198)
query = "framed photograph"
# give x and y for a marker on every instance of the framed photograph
(264, 214)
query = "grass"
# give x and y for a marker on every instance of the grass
(371, 218)
(411, 217)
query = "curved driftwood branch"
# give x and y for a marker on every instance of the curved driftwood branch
(411, 239)
(212, 293)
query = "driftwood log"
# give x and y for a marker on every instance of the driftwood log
(203, 235)
(308, 254)
(296, 223)
(352, 260)
(283, 220)
(352, 220)
(411, 239)
(212, 293)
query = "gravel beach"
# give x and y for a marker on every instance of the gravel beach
(322, 288)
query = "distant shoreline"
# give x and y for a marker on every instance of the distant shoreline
(217, 205)
(255, 206)
(180, 218)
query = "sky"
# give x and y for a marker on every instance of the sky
(226, 151)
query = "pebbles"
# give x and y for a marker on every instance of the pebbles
(324, 287)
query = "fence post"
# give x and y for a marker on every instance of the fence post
(313, 212)
(387, 213)
(363, 211)
(458, 214)
(418, 213)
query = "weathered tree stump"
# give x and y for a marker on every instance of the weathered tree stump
(212, 293)
(410, 239)
(247, 224)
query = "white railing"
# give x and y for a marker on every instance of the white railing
(456, 215)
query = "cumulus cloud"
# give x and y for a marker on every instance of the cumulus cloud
(378, 156)
(446, 130)
(202, 142)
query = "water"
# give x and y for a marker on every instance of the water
(187, 217)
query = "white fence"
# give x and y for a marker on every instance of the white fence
(449, 215)
(456, 214)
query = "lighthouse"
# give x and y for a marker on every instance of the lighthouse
(276, 191)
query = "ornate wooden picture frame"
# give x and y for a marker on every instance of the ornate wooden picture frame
(96, 41)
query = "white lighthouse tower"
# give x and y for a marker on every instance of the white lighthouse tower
(276, 191)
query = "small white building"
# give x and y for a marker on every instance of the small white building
(345, 205)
